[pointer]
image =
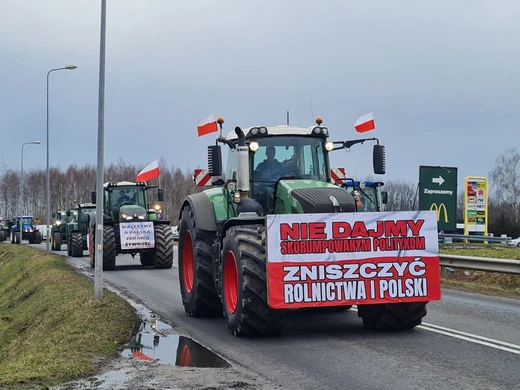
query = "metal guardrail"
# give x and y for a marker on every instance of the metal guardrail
(488, 264)
(460, 237)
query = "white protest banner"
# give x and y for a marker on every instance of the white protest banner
(137, 235)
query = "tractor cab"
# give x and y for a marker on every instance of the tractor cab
(279, 163)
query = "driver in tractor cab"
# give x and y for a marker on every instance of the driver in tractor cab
(357, 198)
(270, 169)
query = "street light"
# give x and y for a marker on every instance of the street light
(21, 186)
(47, 190)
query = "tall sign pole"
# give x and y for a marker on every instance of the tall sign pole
(98, 249)
(438, 192)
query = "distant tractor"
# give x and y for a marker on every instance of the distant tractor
(368, 194)
(29, 231)
(59, 228)
(278, 235)
(77, 230)
(4, 230)
(131, 225)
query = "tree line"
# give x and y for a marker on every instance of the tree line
(76, 184)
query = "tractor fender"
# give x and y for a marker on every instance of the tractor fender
(241, 220)
(202, 210)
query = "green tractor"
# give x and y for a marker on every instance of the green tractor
(224, 240)
(59, 228)
(4, 230)
(77, 230)
(132, 226)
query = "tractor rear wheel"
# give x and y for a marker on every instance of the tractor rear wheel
(163, 246)
(17, 238)
(244, 283)
(57, 241)
(38, 237)
(394, 316)
(196, 268)
(76, 244)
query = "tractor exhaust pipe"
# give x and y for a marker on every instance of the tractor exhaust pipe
(242, 164)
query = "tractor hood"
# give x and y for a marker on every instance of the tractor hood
(310, 196)
(132, 213)
(28, 228)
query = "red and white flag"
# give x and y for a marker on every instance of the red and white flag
(207, 125)
(365, 123)
(151, 171)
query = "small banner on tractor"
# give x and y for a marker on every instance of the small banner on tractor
(202, 178)
(137, 235)
(340, 259)
(337, 173)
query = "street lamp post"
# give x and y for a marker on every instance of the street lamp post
(21, 186)
(47, 189)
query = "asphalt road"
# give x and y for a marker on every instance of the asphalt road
(467, 341)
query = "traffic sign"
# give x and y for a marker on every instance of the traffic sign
(438, 191)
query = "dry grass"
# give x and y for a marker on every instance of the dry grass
(51, 328)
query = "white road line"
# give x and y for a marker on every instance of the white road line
(497, 344)
(472, 338)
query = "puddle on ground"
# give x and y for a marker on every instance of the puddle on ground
(156, 341)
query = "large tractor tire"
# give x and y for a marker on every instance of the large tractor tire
(162, 255)
(244, 284)
(17, 238)
(163, 246)
(57, 241)
(12, 236)
(38, 237)
(196, 266)
(76, 244)
(91, 252)
(2, 236)
(109, 248)
(394, 316)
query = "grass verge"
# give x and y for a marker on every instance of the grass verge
(484, 282)
(51, 328)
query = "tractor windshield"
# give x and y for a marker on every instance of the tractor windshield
(127, 196)
(27, 221)
(291, 156)
(368, 197)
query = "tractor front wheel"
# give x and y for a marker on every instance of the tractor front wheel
(109, 248)
(244, 284)
(196, 268)
(38, 237)
(393, 316)
(163, 246)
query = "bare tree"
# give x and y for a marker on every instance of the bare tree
(402, 195)
(505, 179)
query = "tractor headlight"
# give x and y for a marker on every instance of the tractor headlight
(329, 146)
(253, 146)
(254, 131)
(58, 223)
(157, 208)
(262, 130)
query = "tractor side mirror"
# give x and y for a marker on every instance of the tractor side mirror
(160, 195)
(93, 196)
(215, 160)
(384, 197)
(379, 156)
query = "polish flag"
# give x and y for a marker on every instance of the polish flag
(207, 125)
(151, 171)
(365, 123)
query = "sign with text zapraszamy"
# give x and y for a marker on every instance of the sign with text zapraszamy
(352, 258)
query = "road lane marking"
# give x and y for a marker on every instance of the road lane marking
(472, 338)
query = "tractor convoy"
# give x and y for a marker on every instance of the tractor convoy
(274, 233)
(279, 235)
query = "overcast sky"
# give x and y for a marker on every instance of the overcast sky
(442, 78)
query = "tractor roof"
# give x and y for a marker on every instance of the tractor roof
(123, 183)
(278, 130)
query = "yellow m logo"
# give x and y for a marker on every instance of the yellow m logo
(438, 209)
